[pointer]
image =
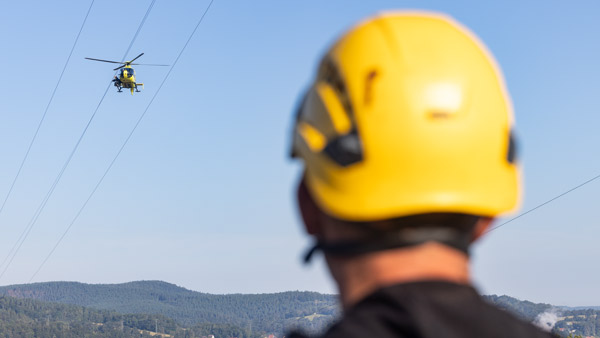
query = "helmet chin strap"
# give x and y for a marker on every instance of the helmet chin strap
(407, 237)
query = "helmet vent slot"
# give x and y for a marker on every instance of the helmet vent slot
(346, 149)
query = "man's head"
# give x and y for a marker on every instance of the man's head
(406, 130)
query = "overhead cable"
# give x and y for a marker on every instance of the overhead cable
(122, 146)
(543, 204)
(17, 246)
(45, 112)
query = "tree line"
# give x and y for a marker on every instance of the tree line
(247, 313)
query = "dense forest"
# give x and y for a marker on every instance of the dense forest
(32, 318)
(578, 322)
(274, 313)
(523, 308)
(145, 308)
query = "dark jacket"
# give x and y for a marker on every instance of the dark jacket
(431, 309)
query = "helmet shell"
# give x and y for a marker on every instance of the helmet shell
(408, 114)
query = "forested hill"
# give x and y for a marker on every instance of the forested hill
(563, 321)
(33, 318)
(258, 312)
(523, 308)
(183, 311)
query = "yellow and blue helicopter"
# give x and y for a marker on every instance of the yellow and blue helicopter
(126, 78)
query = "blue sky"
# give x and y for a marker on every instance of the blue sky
(202, 196)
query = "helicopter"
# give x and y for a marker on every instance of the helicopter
(126, 78)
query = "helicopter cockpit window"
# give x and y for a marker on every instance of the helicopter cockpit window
(129, 73)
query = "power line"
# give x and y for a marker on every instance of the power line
(541, 205)
(45, 111)
(138, 30)
(17, 246)
(122, 146)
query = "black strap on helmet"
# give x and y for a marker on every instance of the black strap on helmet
(459, 238)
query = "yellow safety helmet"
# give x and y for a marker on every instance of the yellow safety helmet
(408, 114)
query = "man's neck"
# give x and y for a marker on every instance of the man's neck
(358, 277)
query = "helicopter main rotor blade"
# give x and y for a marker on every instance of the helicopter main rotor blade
(147, 64)
(135, 58)
(105, 60)
(125, 65)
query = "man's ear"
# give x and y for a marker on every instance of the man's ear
(481, 227)
(308, 209)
